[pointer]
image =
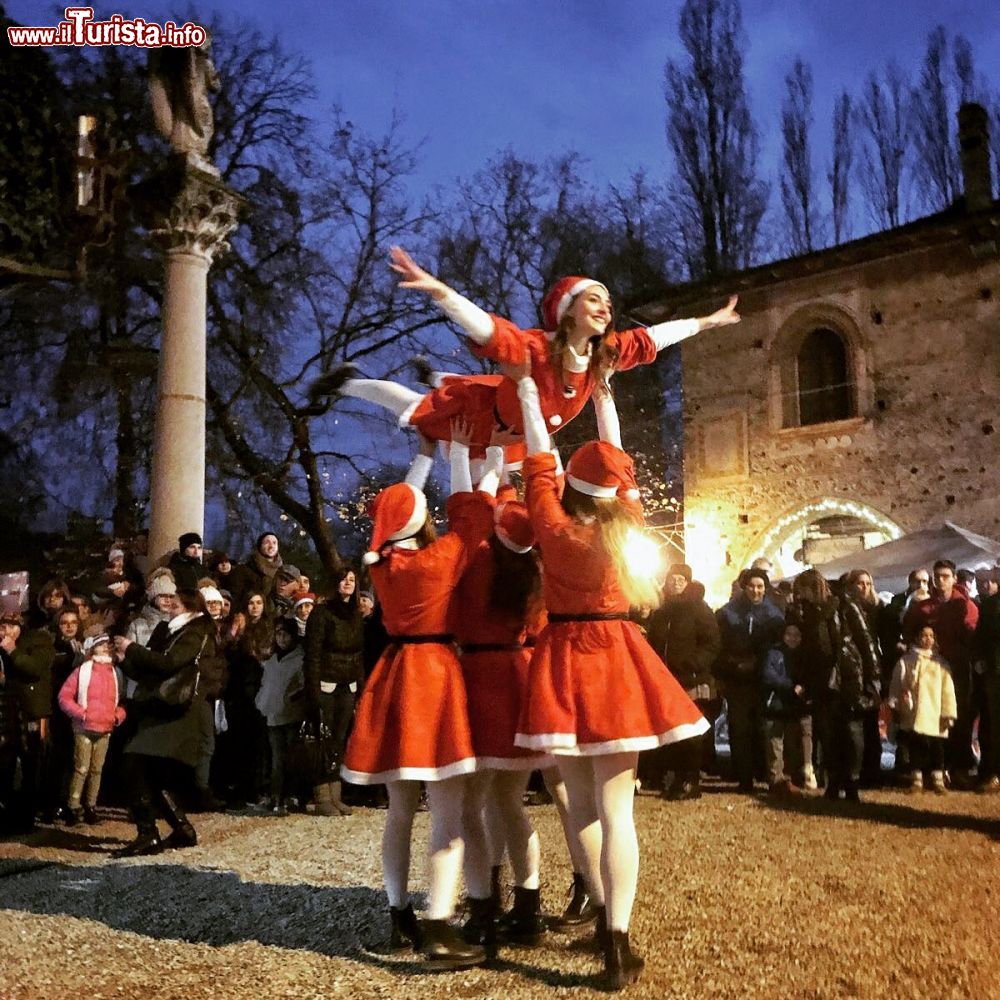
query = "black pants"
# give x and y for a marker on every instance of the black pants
(958, 753)
(34, 762)
(336, 712)
(746, 733)
(155, 786)
(841, 741)
(926, 753)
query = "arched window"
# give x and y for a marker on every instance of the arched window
(824, 391)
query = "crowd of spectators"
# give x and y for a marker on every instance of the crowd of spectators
(275, 693)
(812, 677)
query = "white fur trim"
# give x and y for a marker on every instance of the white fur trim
(564, 744)
(370, 558)
(632, 494)
(508, 543)
(404, 417)
(466, 766)
(591, 489)
(513, 467)
(555, 420)
(417, 518)
(574, 291)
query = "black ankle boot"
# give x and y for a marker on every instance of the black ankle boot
(524, 924)
(147, 842)
(580, 910)
(405, 933)
(481, 927)
(621, 966)
(600, 939)
(183, 835)
(444, 948)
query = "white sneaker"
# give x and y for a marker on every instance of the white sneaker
(809, 779)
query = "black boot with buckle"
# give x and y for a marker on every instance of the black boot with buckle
(524, 924)
(405, 932)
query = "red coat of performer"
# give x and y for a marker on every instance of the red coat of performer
(496, 646)
(411, 721)
(596, 686)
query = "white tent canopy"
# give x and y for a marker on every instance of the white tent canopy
(892, 562)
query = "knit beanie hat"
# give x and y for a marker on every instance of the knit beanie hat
(261, 538)
(188, 538)
(161, 584)
(681, 569)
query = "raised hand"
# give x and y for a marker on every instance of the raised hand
(725, 316)
(502, 438)
(415, 276)
(461, 431)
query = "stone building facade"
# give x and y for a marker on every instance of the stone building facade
(857, 400)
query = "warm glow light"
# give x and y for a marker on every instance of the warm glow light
(643, 556)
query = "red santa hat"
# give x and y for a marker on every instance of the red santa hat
(513, 526)
(306, 598)
(398, 512)
(599, 469)
(558, 298)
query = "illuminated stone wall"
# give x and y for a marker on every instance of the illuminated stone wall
(923, 332)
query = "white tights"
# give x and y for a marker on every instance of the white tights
(557, 789)
(500, 794)
(393, 396)
(601, 792)
(445, 801)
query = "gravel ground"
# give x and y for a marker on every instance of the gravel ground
(738, 897)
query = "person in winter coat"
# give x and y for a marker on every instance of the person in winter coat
(334, 666)
(684, 632)
(785, 706)
(922, 695)
(855, 691)
(91, 698)
(256, 574)
(817, 613)
(161, 593)
(577, 350)
(11, 747)
(987, 658)
(749, 625)
(30, 675)
(282, 703)
(412, 721)
(69, 654)
(52, 598)
(953, 615)
(160, 756)
(185, 563)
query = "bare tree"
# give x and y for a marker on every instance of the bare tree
(718, 197)
(883, 116)
(797, 194)
(839, 174)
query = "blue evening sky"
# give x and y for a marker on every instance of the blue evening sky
(545, 76)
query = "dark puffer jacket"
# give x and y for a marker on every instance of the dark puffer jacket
(334, 646)
(820, 628)
(684, 633)
(858, 659)
(747, 632)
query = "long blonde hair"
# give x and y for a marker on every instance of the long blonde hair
(616, 523)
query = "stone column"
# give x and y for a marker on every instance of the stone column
(193, 230)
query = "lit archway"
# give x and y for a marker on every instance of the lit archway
(779, 542)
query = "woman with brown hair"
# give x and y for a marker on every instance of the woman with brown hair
(575, 352)
(597, 692)
(333, 666)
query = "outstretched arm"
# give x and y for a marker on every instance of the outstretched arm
(420, 467)
(665, 334)
(477, 324)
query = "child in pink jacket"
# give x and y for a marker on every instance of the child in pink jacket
(90, 697)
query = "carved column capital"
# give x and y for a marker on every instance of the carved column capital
(200, 216)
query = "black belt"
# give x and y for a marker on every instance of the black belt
(492, 647)
(613, 616)
(442, 638)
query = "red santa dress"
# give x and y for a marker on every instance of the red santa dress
(412, 722)
(495, 655)
(489, 401)
(595, 687)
